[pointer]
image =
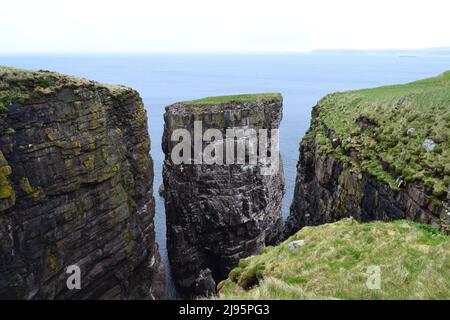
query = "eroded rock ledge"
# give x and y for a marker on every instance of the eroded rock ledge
(75, 188)
(219, 213)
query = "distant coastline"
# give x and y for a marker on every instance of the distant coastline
(443, 51)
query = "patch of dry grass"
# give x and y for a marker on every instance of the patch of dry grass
(414, 261)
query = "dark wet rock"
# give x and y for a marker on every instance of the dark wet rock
(335, 142)
(161, 190)
(75, 189)
(218, 214)
(365, 122)
(400, 183)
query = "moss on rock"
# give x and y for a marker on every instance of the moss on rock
(373, 124)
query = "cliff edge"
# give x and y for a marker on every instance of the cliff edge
(75, 189)
(377, 154)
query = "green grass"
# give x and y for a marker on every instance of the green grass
(384, 149)
(235, 98)
(18, 85)
(414, 261)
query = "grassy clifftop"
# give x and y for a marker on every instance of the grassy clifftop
(235, 98)
(18, 85)
(382, 131)
(414, 262)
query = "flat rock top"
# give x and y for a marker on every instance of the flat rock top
(220, 103)
(235, 98)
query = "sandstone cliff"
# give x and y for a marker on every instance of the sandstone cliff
(366, 155)
(75, 188)
(219, 213)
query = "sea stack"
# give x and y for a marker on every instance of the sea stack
(217, 211)
(360, 157)
(75, 190)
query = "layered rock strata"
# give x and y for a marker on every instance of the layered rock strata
(75, 189)
(219, 213)
(338, 173)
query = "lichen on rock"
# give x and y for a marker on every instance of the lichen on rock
(76, 189)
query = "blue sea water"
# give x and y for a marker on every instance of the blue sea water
(302, 79)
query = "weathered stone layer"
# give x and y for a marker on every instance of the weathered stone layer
(219, 213)
(76, 188)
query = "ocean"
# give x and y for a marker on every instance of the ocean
(301, 78)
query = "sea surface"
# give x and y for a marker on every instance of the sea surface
(302, 79)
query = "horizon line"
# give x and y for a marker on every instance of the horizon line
(319, 50)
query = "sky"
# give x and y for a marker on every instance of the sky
(179, 26)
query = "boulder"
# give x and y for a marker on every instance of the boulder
(296, 244)
(410, 132)
(161, 190)
(428, 145)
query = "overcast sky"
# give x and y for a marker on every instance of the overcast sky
(220, 25)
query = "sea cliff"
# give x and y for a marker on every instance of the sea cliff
(218, 213)
(75, 189)
(377, 154)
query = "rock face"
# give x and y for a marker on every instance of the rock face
(326, 191)
(75, 189)
(204, 284)
(219, 213)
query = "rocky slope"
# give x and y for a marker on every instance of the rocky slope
(377, 154)
(219, 213)
(75, 188)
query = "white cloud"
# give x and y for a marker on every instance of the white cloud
(232, 25)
